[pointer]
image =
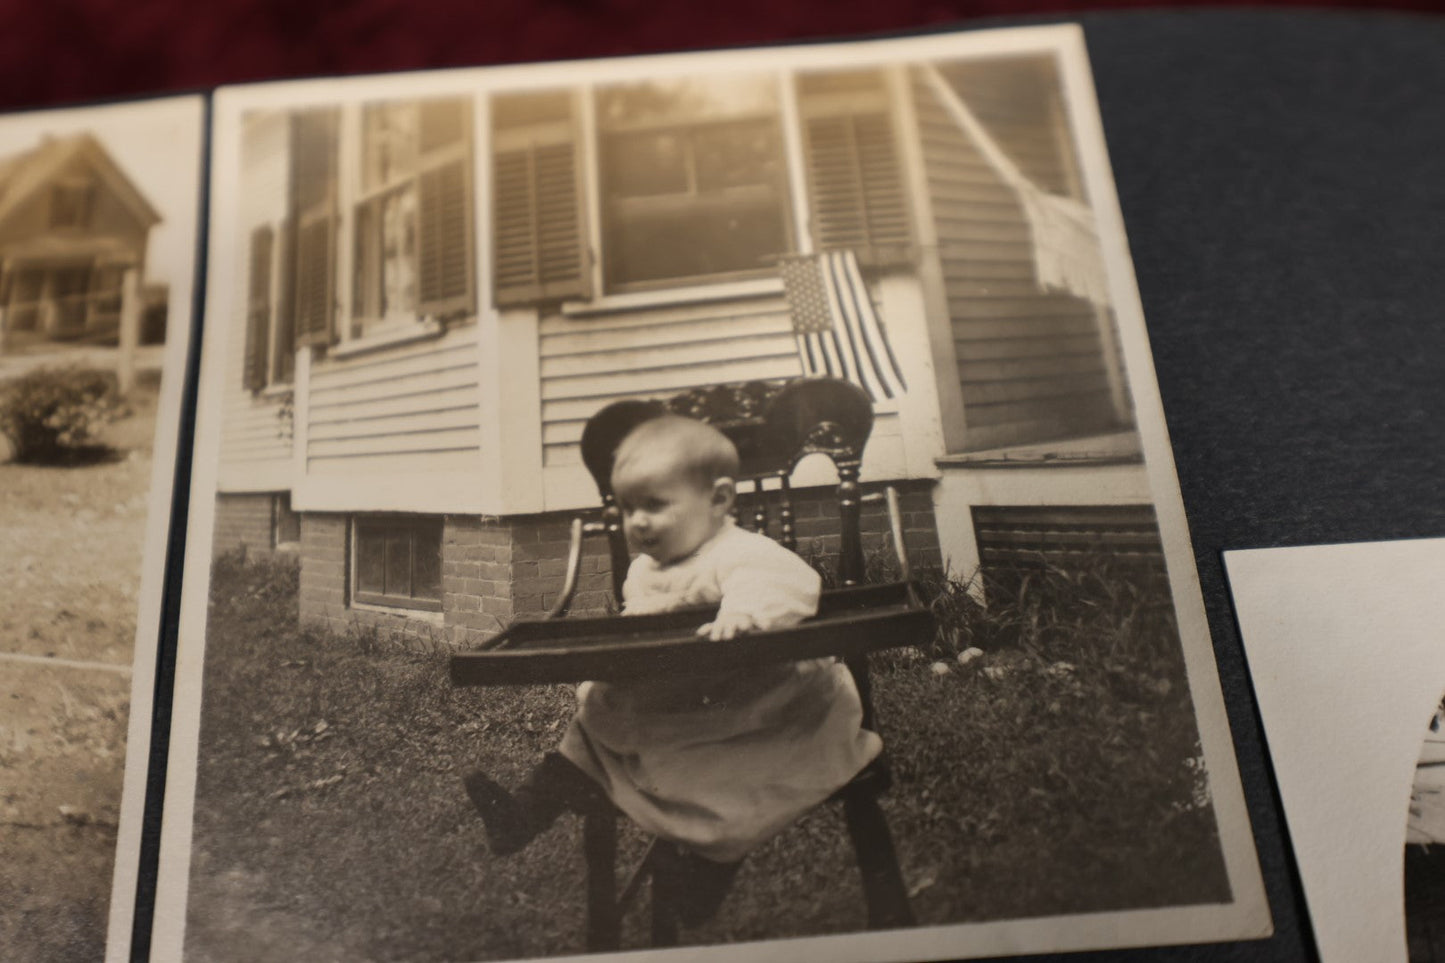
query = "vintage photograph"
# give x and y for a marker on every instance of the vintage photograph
(689, 501)
(98, 212)
(1424, 856)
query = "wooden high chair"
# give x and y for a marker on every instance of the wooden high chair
(774, 428)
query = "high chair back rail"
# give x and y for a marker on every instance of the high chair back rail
(774, 428)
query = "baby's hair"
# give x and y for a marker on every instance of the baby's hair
(698, 450)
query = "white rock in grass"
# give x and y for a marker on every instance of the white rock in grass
(939, 668)
(969, 654)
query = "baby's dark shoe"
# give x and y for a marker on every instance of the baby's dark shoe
(508, 827)
(514, 819)
(702, 885)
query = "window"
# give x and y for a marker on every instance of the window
(71, 203)
(413, 222)
(396, 561)
(26, 291)
(693, 181)
(70, 293)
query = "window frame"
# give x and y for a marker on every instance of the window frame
(363, 322)
(785, 187)
(367, 524)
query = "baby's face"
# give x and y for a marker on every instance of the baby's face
(666, 514)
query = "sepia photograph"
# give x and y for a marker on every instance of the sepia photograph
(1424, 856)
(693, 501)
(98, 219)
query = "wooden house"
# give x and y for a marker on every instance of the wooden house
(71, 225)
(432, 295)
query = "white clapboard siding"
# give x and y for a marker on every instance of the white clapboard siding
(589, 362)
(412, 408)
(255, 440)
(1031, 364)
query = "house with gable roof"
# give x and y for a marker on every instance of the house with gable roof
(72, 224)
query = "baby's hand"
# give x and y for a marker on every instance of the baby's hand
(728, 625)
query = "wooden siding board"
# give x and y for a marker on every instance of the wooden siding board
(653, 358)
(1044, 330)
(419, 400)
(407, 441)
(602, 341)
(404, 423)
(627, 384)
(389, 464)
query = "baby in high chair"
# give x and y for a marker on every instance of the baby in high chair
(718, 763)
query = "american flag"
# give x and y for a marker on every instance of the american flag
(837, 330)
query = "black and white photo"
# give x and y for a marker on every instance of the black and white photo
(98, 212)
(892, 278)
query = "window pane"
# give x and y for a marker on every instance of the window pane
(730, 155)
(314, 147)
(695, 241)
(398, 253)
(398, 563)
(441, 122)
(522, 110)
(644, 163)
(688, 100)
(370, 560)
(693, 178)
(427, 570)
(389, 139)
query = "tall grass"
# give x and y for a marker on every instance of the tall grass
(1044, 750)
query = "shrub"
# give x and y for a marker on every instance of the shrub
(51, 415)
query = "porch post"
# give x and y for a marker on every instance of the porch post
(48, 315)
(130, 312)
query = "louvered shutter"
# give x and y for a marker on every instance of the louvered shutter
(539, 237)
(315, 279)
(313, 186)
(284, 363)
(258, 310)
(857, 195)
(444, 202)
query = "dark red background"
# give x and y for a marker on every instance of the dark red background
(72, 50)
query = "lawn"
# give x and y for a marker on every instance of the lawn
(70, 560)
(1055, 772)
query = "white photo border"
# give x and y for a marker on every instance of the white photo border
(1246, 916)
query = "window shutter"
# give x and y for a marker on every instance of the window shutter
(444, 200)
(258, 310)
(540, 247)
(857, 194)
(315, 279)
(313, 197)
(284, 363)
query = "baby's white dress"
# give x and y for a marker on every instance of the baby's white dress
(722, 763)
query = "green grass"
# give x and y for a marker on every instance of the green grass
(1057, 772)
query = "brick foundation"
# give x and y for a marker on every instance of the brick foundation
(495, 570)
(243, 521)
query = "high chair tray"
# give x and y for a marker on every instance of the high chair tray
(850, 622)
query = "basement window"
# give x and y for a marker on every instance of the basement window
(396, 561)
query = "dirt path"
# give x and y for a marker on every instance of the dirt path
(71, 543)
